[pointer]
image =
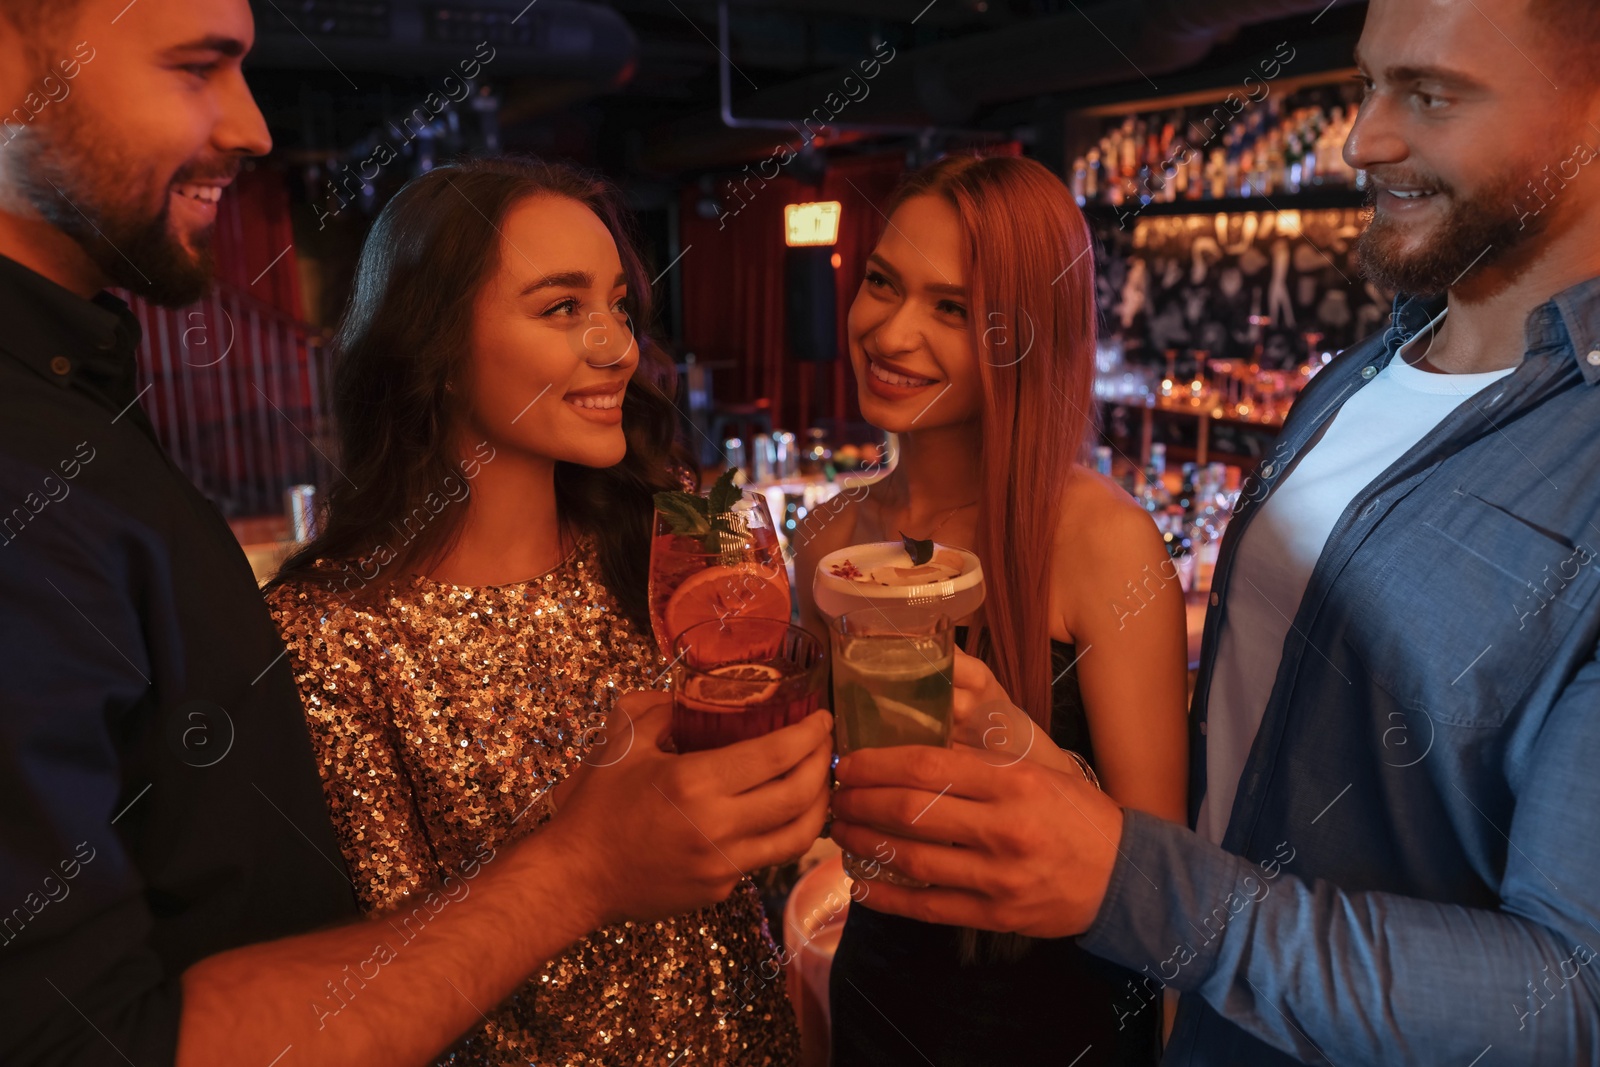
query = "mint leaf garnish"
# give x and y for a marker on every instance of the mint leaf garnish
(920, 551)
(724, 494)
(687, 513)
(712, 518)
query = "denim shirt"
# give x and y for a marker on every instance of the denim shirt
(1411, 872)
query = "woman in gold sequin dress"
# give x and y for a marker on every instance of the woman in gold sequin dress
(477, 602)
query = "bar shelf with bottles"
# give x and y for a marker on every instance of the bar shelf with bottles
(1226, 281)
(1190, 506)
(796, 476)
(1284, 152)
(1226, 401)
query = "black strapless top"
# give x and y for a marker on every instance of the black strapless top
(900, 993)
(1069, 719)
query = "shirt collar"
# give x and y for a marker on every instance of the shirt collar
(62, 336)
(1569, 322)
(1410, 317)
(1571, 317)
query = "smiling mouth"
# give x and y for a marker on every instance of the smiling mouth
(206, 194)
(889, 377)
(599, 402)
(1410, 195)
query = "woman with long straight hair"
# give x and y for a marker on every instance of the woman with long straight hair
(476, 602)
(972, 338)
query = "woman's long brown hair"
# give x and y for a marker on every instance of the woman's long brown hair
(1030, 283)
(404, 336)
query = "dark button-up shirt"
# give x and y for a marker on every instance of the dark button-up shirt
(1411, 872)
(158, 798)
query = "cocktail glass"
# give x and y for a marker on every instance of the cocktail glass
(735, 570)
(738, 678)
(882, 574)
(892, 667)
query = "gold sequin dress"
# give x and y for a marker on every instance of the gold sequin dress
(441, 718)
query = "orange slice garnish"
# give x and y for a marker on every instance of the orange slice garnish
(732, 687)
(724, 593)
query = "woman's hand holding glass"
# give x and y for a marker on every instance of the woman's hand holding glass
(985, 718)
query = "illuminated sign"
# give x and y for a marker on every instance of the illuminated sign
(811, 224)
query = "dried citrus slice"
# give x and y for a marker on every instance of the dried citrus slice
(734, 686)
(926, 574)
(748, 672)
(724, 592)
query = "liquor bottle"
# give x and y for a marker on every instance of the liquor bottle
(1217, 174)
(1325, 153)
(1158, 459)
(1154, 494)
(1173, 173)
(1111, 168)
(1294, 164)
(1188, 495)
(1132, 148)
(1277, 165)
(1176, 537)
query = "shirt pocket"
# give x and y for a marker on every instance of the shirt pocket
(1468, 608)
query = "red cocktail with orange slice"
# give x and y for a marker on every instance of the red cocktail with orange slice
(737, 678)
(714, 558)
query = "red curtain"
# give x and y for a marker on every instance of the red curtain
(255, 240)
(233, 383)
(733, 284)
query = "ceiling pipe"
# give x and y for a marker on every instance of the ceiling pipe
(943, 86)
(1109, 42)
(733, 122)
(578, 40)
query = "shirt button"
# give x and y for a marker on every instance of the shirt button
(1594, 358)
(1215, 599)
(1369, 372)
(61, 364)
(1267, 469)
(1202, 728)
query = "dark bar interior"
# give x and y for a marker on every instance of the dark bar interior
(799, 532)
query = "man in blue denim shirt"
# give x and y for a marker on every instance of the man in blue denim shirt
(1409, 868)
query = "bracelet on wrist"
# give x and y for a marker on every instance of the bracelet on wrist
(1083, 766)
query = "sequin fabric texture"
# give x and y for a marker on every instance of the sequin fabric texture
(441, 718)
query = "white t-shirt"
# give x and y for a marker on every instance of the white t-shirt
(1274, 561)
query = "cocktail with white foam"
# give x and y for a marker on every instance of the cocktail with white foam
(883, 574)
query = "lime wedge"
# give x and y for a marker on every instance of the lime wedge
(901, 723)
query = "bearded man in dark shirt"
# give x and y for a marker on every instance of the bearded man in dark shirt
(156, 895)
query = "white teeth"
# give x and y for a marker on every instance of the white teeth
(889, 377)
(208, 193)
(1408, 194)
(600, 403)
